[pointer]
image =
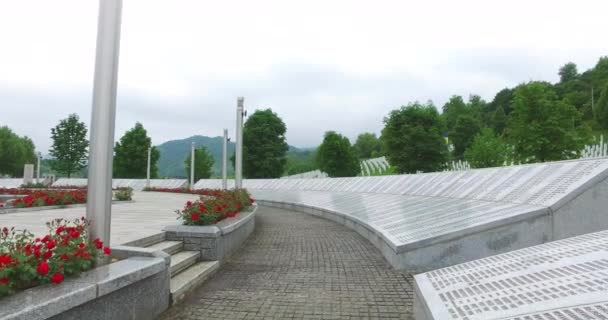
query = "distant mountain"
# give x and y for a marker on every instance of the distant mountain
(174, 152)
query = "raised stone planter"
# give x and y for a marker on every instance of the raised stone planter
(134, 288)
(218, 241)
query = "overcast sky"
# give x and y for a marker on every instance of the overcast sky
(321, 65)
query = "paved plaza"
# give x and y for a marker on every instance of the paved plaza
(296, 266)
(146, 216)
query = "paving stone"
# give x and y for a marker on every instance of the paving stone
(296, 266)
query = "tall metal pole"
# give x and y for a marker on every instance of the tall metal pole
(38, 168)
(148, 171)
(225, 161)
(238, 165)
(192, 166)
(99, 194)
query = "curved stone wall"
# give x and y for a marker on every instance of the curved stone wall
(432, 220)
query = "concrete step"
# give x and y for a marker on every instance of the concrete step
(183, 260)
(147, 241)
(189, 279)
(169, 247)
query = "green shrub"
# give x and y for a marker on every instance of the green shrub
(124, 194)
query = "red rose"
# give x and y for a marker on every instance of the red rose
(4, 281)
(74, 234)
(60, 229)
(5, 230)
(50, 244)
(57, 278)
(189, 203)
(43, 268)
(64, 257)
(195, 217)
(107, 251)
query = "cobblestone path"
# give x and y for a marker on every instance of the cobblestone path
(296, 266)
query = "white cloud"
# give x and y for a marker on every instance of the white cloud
(340, 65)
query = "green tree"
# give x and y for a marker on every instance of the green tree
(131, 154)
(601, 108)
(203, 163)
(368, 146)
(568, 72)
(337, 157)
(70, 144)
(452, 109)
(487, 150)
(15, 152)
(463, 134)
(264, 146)
(504, 99)
(499, 120)
(542, 127)
(299, 161)
(413, 140)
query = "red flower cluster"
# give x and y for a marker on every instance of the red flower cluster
(38, 198)
(214, 206)
(26, 261)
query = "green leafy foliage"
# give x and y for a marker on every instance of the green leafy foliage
(299, 161)
(15, 152)
(568, 72)
(499, 120)
(454, 108)
(203, 162)
(462, 135)
(413, 140)
(264, 146)
(368, 146)
(131, 155)
(601, 109)
(123, 194)
(487, 150)
(70, 144)
(542, 127)
(337, 157)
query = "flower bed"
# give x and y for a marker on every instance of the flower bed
(53, 197)
(50, 198)
(26, 261)
(214, 206)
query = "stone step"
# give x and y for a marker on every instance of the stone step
(183, 260)
(169, 247)
(147, 241)
(187, 280)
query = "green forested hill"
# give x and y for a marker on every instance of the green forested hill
(174, 152)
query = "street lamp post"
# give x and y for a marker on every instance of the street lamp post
(238, 165)
(38, 168)
(192, 166)
(148, 170)
(99, 194)
(225, 161)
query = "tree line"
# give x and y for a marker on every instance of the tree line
(535, 121)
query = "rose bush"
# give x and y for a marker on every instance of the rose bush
(26, 261)
(50, 198)
(214, 206)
